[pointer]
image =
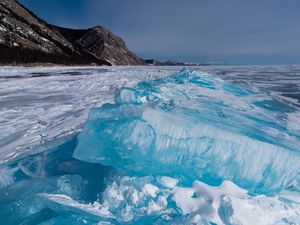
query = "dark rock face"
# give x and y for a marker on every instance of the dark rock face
(24, 38)
(103, 43)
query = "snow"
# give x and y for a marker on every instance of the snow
(44, 39)
(194, 124)
(6, 177)
(191, 148)
(36, 110)
(112, 61)
(95, 209)
(38, 105)
(44, 49)
(3, 29)
(198, 203)
(293, 120)
(4, 20)
(169, 182)
(150, 189)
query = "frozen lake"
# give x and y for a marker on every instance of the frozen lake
(41, 104)
(213, 144)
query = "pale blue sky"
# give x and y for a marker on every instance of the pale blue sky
(230, 31)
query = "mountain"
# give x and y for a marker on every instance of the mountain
(103, 43)
(153, 62)
(25, 38)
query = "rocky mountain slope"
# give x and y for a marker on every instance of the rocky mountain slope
(24, 38)
(103, 43)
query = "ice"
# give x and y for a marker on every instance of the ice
(168, 182)
(38, 105)
(209, 130)
(190, 148)
(25, 182)
(136, 200)
(68, 204)
(41, 104)
(28, 202)
(6, 176)
(293, 120)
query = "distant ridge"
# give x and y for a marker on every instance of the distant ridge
(25, 38)
(103, 44)
(153, 62)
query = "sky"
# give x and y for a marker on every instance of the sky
(223, 31)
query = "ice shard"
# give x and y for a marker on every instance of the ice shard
(198, 127)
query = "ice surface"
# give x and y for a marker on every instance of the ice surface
(197, 127)
(149, 200)
(129, 198)
(192, 148)
(38, 105)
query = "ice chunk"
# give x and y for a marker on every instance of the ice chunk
(169, 182)
(129, 200)
(208, 130)
(53, 104)
(19, 201)
(7, 176)
(127, 95)
(65, 203)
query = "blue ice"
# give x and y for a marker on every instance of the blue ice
(194, 126)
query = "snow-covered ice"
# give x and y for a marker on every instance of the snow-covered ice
(196, 126)
(150, 145)
(38, 105)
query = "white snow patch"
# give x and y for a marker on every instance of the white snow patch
(200, 203)
(169, 182)
(150, 189)
(57, 105)
(4, 20)
(44, 49)
(95, 209)
(293, 120)
(7, 176)
(3, 29)
(44, 39)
